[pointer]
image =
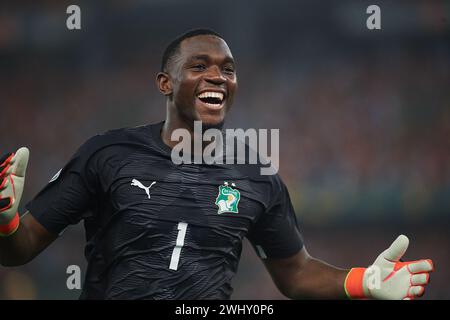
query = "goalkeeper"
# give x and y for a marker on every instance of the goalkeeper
(154, 230)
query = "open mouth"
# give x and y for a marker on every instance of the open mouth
(212, 99)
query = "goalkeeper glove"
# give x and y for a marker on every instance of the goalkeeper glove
(388, 277)
(12, 179)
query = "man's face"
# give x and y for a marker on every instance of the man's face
(203, 80)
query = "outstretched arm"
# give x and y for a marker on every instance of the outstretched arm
(24, 244)
(302, 276)
(21, 239)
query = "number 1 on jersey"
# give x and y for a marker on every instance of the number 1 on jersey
(182, 227)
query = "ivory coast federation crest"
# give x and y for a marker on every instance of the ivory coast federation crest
(228, 199)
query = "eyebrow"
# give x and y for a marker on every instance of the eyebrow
(207, 58)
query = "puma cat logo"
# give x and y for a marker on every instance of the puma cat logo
(137, 183)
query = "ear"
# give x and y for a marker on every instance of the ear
(164, 83)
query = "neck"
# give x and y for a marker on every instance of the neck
(174, 121)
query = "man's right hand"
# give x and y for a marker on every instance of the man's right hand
(12, 180)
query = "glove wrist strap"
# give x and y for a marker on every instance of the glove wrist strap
(353, 284)
(10, 227)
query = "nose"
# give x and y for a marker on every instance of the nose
(215, 76)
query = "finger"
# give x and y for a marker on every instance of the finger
(4, 169)
(4, 183)
(5, 165)
(397, 249)
(21, 161)
(6, 158)
(420, 279)
(416, 291)
(407, 298)
(421, 266)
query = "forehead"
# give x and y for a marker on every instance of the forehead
(204, 45)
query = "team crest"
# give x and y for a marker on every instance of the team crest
(228, 199)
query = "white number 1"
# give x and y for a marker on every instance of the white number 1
(182, 227)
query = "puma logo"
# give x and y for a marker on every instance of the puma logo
(137, 183)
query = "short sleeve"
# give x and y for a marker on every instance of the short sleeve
(276, 233)
(69, 195)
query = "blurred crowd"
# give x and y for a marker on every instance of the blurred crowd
(364, 116)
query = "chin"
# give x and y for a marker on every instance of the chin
(211, 119)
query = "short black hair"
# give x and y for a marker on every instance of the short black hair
(173, 47)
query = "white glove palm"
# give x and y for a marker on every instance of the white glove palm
(12, 180)
(389, 278)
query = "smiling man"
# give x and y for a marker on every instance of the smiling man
(156, 230)
(190, 95)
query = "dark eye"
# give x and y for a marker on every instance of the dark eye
(199, 67)
(228, 70)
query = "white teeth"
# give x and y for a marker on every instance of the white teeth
(210, 94)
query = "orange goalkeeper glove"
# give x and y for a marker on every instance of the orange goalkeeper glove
(12, 179)
(388, 277)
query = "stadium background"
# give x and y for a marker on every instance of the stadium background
(364, 116)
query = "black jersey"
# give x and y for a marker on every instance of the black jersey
(156, 230)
